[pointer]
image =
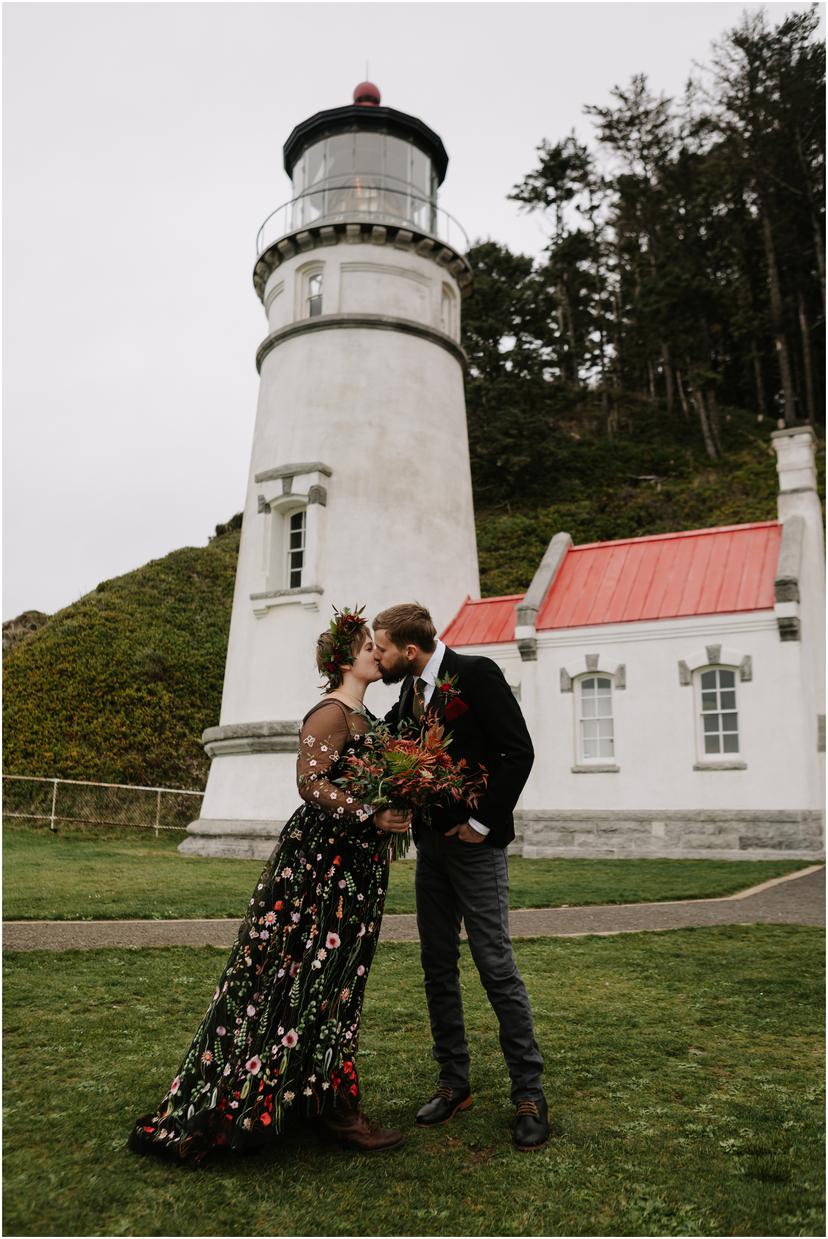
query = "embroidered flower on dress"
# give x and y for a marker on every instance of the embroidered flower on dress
(332, 941)
(253, 1065)
(290, 1039)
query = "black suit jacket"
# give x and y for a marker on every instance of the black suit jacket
(491, 733)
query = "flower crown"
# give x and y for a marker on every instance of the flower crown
(343, 628)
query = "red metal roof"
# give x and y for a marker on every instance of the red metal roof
(483, 621)
(664, 576)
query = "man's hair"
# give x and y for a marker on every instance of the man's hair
(408, 624)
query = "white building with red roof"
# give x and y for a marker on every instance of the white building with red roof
(673, 685)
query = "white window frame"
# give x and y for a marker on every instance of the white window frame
(277, 545)
(314, 294)
(448, 310)
(581, 760)
(302, 290)
(722, 758)
(291, 551)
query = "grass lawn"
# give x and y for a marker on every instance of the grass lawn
(91, 875)
(683, 1069)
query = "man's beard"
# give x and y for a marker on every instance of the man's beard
(399, 671)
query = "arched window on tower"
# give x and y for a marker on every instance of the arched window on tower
(313, 298)
(297, 532)
(448, 312)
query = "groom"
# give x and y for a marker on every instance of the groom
(461, 861)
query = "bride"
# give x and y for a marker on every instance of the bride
(279, 1038)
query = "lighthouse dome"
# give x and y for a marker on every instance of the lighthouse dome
(367, 94)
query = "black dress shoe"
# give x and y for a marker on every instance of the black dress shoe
(531, 1129)
(443, 1106)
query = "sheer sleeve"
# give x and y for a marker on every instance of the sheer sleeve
(321, 741)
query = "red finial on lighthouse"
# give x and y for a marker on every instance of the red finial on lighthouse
(367, 94)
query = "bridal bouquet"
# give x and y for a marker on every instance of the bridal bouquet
(410, 771)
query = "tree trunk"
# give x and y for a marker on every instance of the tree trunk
(713, 418)
(710, 446)
(758, 378)
(685, 407)
(651, 380)
(617, 339)
(668, 376)
(570, 333)
(807, 360)
(562, 337)
(778, 320)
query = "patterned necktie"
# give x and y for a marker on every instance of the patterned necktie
(419, 699)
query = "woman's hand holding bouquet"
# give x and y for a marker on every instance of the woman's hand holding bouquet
(412, 770)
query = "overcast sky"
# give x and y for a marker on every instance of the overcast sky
(142, 149)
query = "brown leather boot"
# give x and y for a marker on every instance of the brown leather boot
(354, 1131)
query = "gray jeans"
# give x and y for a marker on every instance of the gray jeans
(471, 881)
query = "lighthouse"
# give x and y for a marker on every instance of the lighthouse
(359, 489)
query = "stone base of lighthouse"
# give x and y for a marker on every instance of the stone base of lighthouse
(251, 792)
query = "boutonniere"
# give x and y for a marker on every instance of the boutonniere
(453, 704)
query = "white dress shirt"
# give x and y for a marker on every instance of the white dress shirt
(429, 673)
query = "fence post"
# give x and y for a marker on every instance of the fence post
(54, 803)
(157, 811)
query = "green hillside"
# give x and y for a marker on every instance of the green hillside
(119, 686)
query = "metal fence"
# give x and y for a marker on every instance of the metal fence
(98, 804)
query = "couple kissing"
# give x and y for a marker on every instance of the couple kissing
(278, 1043)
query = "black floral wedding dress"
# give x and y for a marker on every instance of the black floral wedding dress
(279, 1037)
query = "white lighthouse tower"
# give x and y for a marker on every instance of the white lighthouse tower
(359, 488)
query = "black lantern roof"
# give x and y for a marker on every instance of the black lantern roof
(374, 119)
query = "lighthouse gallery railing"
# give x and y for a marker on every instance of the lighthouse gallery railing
(379, 202)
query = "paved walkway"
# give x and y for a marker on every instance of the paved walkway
(796, 899)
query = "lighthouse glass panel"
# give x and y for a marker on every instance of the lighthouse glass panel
(296, 549)
(359, 175)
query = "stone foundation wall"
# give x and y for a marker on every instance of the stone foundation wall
(700, 834)
(725, 834)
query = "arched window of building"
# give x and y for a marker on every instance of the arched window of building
(717, 716)
(595, 733)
